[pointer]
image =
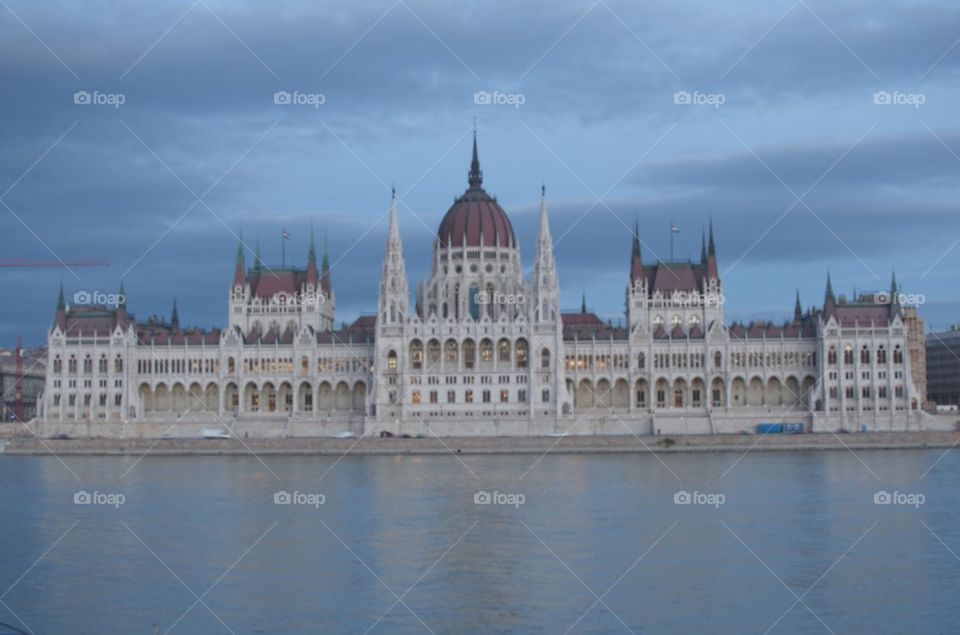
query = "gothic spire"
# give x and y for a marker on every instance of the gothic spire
(636, 257)
(325, 271)
(711, 247)
(257, 264)
(712, 270)
(797, 309)
(544, 222)
(703, 247)
(61, 303)
(325, 266)
(393, 232)
(635, 243)
(583, 302)
(174, 316)
(829, 300)
(393, 297)
(240, 247)
(476, 176)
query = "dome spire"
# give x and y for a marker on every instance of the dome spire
(476, 176)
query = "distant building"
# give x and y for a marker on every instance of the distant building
(943, 367)
(34, 365)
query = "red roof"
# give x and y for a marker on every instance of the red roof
(862, 315)
(473, 216)
(266, 284)
(670, 277)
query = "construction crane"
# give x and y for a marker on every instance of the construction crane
(27, 263)
(18, 384)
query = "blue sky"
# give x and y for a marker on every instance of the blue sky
(799, 166)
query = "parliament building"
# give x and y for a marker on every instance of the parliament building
(481, 347)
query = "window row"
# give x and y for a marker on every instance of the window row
(103, 364)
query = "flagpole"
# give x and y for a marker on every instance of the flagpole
(283, 248)
(672, 227)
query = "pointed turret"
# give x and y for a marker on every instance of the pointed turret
(829, 300)
(122, 305)
(636, 257)
(712, 270)
(258, 263)
(797, 309)
(312, 262)
(394, 294)
(60, 318)
(325, 284)
(393, 230)
(583, 302)
(240, 268)
(475, 178)
(544, 283)
(175, 316)
(894, 295)
(703, 247)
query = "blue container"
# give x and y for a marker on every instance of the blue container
(769, 428)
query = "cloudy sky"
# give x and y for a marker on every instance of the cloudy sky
(778, 136)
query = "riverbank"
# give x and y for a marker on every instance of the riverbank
(486, 445)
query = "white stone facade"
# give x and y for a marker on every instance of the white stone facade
(485, 350)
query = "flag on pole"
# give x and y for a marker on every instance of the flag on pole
(286, 234)
(674, 228)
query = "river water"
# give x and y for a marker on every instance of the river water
(779, 542)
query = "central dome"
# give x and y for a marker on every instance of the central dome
(476, 219)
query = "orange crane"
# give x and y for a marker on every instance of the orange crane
(28, 263)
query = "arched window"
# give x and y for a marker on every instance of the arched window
(433, 353)
(450, 350)
(717, 360)
(848, 355)
(72, 364)
(486, 351)
(832, 356)
(57, 364)
(416, 354)
(865, 355)
(391, 359)
(641, 361)
(881, 355)
(469, 354)
(522, 353)
(503, 350)
(102, 364)
(897, 355)
(545, 358)
(231, 365)
(304, 364)
(87, 364)
(415, 396)
(118, 364)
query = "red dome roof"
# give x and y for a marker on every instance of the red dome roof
(475, 216)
